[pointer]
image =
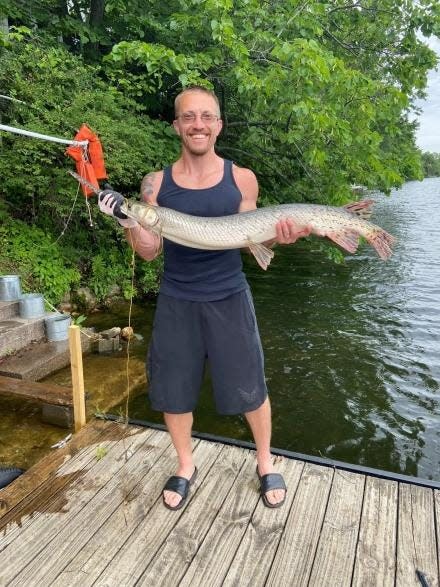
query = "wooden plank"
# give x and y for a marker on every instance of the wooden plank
(213, 559)
(65, 505)
(416, 544)
(76, 364)
(78, 528)
(48, 393)
(263, 534)
(42, 473)
(147, 540)
(376, 551)
(335, 555)
(293, 561)
(174, 558)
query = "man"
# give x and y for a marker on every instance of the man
(204, 308)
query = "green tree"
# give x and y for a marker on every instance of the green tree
(431, 164)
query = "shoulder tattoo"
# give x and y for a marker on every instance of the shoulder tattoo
(147, 186)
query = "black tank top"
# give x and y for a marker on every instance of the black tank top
(196, 274)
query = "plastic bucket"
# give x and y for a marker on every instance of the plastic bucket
(31, 305)
(10, 288)
(57, 327)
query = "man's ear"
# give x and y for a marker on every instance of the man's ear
(176, 127)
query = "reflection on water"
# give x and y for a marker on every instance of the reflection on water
(351, 350)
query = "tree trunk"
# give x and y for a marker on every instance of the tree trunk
(4, 25)
(96, 12)
(96, 17)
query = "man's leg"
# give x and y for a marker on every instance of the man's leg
(261, 426)
(180, 426)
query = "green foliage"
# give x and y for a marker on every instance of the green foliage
(29, 252)
(78, 320)
(431, 164)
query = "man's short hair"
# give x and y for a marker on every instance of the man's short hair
(195, 89)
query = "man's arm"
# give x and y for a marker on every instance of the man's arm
(287, 230)
(144, 242)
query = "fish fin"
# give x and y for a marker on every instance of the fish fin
(382, 241)
(347, 239)
(262, 254)
(361, 209)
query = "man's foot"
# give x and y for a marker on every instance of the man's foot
(272, 487)
(177, 487)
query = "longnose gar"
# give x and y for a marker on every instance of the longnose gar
(250, 229)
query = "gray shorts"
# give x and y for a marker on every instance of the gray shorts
(187, 334)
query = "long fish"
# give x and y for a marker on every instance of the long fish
(342, 225)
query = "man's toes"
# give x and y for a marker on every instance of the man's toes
(275, 496)
(172, 498)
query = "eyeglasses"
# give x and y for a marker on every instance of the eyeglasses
(207, 117)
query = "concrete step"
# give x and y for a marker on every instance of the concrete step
(9, 310)
(16, 333)
(40, 359)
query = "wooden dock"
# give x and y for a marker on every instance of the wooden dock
(91, 514)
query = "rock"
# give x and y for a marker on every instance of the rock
(111, 332)
(104, 345)
(85, 299)
(127, 333)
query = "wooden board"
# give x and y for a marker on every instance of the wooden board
(293, 561)
(375, 563)
(416, 544)
(335, 554)
(48, 393)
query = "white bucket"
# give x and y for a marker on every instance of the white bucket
(10, 288)
(57, 327)
(31, 305)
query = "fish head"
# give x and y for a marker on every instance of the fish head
(145, 214)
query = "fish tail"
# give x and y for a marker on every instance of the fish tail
(382, 241)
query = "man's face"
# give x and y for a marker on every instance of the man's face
(197, 122)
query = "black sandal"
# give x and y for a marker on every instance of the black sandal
(181, 486)
(270, 482)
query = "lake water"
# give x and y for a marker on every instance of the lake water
(352, 350)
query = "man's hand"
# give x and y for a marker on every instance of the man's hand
(110, 202)
(288, 231)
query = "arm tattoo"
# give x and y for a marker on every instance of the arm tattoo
(147, 186)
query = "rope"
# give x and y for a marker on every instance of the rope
(37, 135)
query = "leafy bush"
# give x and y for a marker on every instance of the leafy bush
(30, 253)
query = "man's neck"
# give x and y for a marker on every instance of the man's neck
(198, 165)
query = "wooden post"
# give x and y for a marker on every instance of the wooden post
(79, 405)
